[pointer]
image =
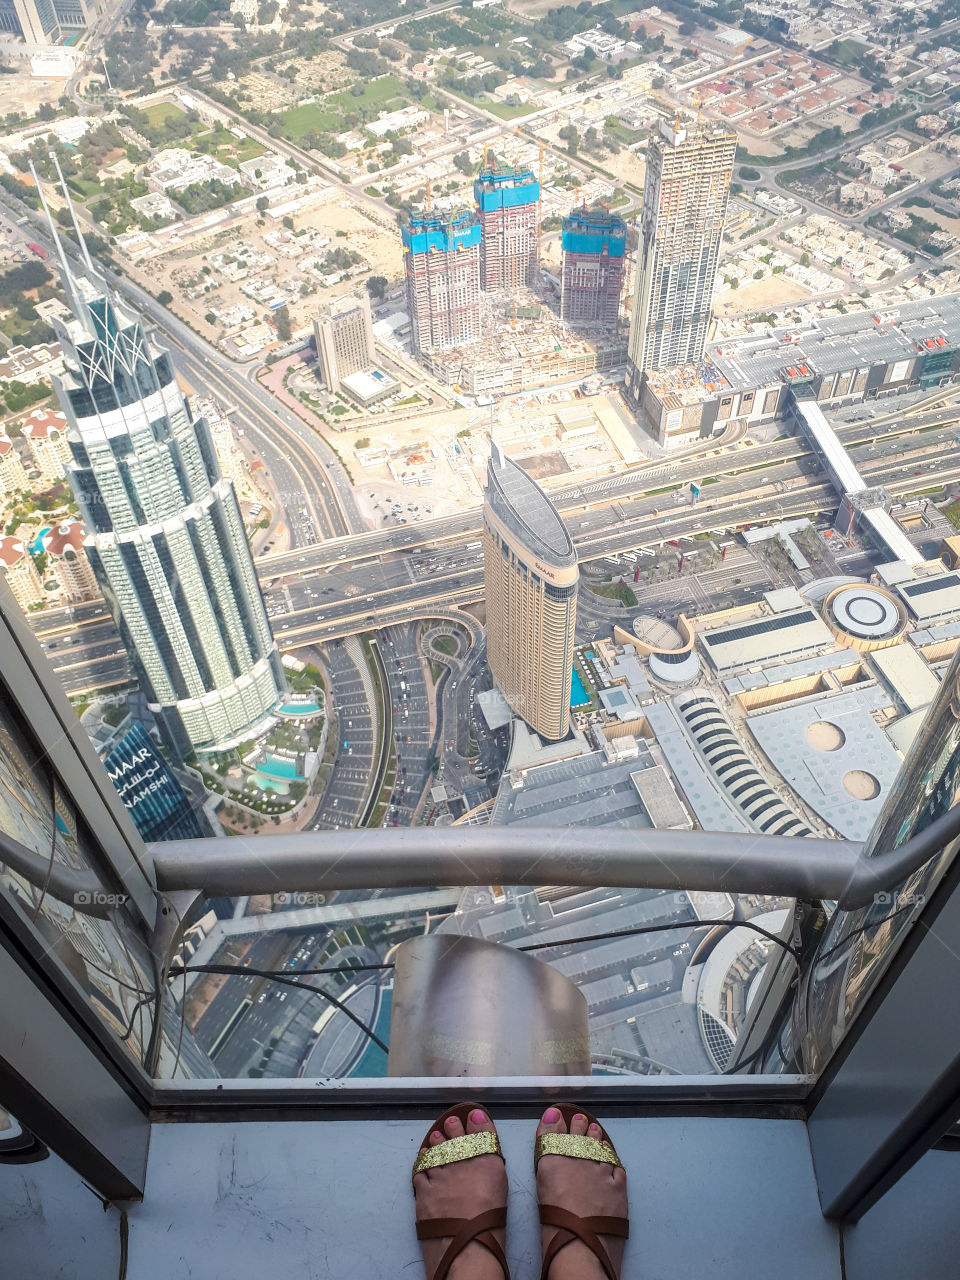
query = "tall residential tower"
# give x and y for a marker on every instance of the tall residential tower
(343, 332)
(441, 260)
(531, 580)
(593, 243)
(164, 532)
(689, 166)
(508, 206)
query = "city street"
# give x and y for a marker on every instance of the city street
(347, 791)
(411, 721)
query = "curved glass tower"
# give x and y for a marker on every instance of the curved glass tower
(531, 580)
(164, 532)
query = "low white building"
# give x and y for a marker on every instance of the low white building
(598, 41)
(267, 171)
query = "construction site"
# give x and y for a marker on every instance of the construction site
(485, 318)
(525, 345)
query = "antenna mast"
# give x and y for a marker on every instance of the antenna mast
(84, 252)
(69, 284)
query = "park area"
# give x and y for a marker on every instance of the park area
(334, 113)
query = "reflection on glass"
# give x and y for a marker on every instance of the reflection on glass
(858, 946)
(106, 958)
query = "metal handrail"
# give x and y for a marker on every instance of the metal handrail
(705, 861)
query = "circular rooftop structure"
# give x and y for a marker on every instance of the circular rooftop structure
(864, 616)
(825, 735)
(656, 633)
(861, 785)
(675, 666)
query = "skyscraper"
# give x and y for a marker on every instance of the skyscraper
(441, 260)
(508, 206)
(689, 166)
(35, 20)
(147, 786)
(164, 532)
(531, 580)
(593, 243)
(343, 332)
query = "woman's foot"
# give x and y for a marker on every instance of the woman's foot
(462, 1190)
(586, 1188)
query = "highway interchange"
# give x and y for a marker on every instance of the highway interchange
(383, 577)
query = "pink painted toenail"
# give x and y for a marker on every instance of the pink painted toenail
(551, 1115)
(578, 1116)
(478, 1117)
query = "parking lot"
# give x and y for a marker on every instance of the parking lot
(345, 794)
(411, 721)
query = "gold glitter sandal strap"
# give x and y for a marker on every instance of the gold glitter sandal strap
(466, 1147)
(576, 1145)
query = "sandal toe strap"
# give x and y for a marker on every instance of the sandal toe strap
(453, 1150)
(461, 1232)
(588, 1230)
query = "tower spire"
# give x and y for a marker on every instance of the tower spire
(66, 275)
(84, 252)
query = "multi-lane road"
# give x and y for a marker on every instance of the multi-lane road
(317, 482)
(320, 595)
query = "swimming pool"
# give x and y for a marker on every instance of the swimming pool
(578, 692)
(278, 785)
(274, 767)
(300, 708)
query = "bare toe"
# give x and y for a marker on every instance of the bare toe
(578, 1124)
(551, 1122)
(479, 1122)
(453, 1127)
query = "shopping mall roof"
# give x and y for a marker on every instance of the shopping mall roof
(783, 672)
(857, 339)
(762, 640)
(582, 791)
(842, 775)
(907, 674)
(660, 799)
(930, 598)
(517, 499)
(713, 810)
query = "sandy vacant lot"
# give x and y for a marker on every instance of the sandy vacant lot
(343, 222)
(775, 291)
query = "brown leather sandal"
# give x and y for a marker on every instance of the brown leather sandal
(461, 1230)
(570, 1225)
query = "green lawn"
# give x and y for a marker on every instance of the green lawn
(506, 112)
(83, 188)
(616, 591)
(446, 644)
(849, 53)
(380, 92)
(386, 93)
(623, 135)
(312, 118)
(158, 112)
